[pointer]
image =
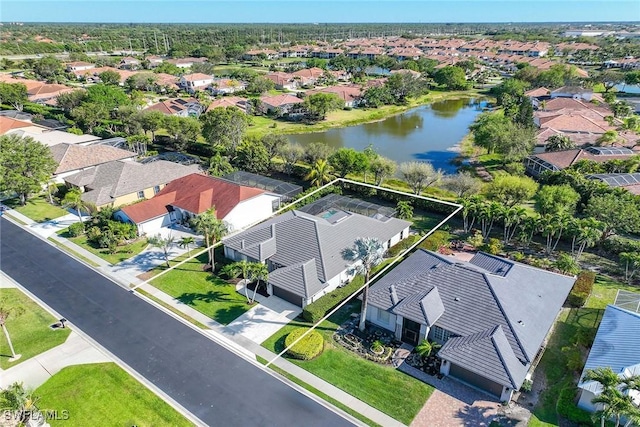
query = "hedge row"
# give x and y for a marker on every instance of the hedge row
(581, 289)
(317, 310)
(308, 347)
(567, 407)
(402, 246)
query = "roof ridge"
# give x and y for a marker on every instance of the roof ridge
(496, 330)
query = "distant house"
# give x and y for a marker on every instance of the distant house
(186, 62)
(154, 61)
(72, 159)
(303, 251)
(616, 346)
(572, 92)
(79, 66)
(308, 76)
(184, 198)
(120, 182)
(553, 161)
(194, 82)
(254, 54)
(47, 93)
(350, 95)
(181, 107)
(284, 104)
(230, 101)
(129, 63)
(226, 86)
(283, 81)
(491, 315)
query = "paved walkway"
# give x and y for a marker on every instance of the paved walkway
(452, 404)
(38, 369)
(264, 319)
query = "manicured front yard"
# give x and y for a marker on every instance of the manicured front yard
(203, 291)
(37, 208)
(571, 324)
(103, 394)
(29, 332)
(122, 253)
(390, 391)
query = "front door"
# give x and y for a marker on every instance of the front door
(410, 331)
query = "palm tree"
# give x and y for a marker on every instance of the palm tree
(7, 309)
(608, 138)
(559, 143)
(52, 189)
(585, 233)
(73, 200)
(614, 405)
(424, 349)
(320, 174)
(366, 253)
(240, 268)
(212, 228)
(186, 242)
(608, 380)
(164, 243)
(258, 271)
(404, 210)
(469, 210)
(21, 401)
(512, 217)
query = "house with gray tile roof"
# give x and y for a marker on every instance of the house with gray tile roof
(491, 315)
(121, 182)
(303, 251)
(617, 346)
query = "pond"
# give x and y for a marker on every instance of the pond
(427, 133)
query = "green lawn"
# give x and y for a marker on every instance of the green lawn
(203, 291)
(571, 323)
(122, 253)
(37, 208)
(377, 385)
(29, 332)
(104, 394)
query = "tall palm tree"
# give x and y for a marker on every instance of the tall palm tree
(6, 310)
(614, 405)
(511, 218)
(52, 189)
(608, 380)
(585, 234)
(258, 271)
(164, 243)
(240, 268)
(212, 228)
(366, 253)
(186, 242)
(470, 207)
(73, 200)
(320, 174)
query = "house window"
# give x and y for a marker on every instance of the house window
(383, 316)
(140, 194)
(441, 335)
(156, 189)
(402, 235)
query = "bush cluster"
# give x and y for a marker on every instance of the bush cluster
(308, 347)
(317, 310)
(617, 244)
(402, 246)
(436, 240)
(581, 289)
(76, 229)
(567, 407)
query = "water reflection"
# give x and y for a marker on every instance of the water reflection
(427, 133)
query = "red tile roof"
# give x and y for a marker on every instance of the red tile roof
(195, 193)
(7, 124)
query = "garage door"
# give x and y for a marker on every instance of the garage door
(475, 380)
(287, 296)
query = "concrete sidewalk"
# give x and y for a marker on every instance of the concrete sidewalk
(37, 370)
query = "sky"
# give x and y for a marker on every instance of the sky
(318, 11)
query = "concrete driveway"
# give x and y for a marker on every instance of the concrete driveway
(47, 228)
(265, 319)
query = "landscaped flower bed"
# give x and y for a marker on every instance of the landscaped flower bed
(374, 344)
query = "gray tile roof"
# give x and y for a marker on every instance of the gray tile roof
(617, 344)
(110, 180)
(522, 300)
(301, 278)
(300, 237)
(497, 361)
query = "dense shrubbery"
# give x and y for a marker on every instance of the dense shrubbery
(617, 244)
(567, 407)
(317, 310)
(581, 289)
(76, 229)
(436, 240)
(308, 347)
(402, 246)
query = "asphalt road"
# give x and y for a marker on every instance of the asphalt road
(216, 385)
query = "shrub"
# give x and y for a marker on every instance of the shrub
(308, 347)
(494, 246)
(567, 407)
(526, 386)
(436, 240)
(402, 246)
(76, 229)
(317, 310)
(517, 256)
(581, 289)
